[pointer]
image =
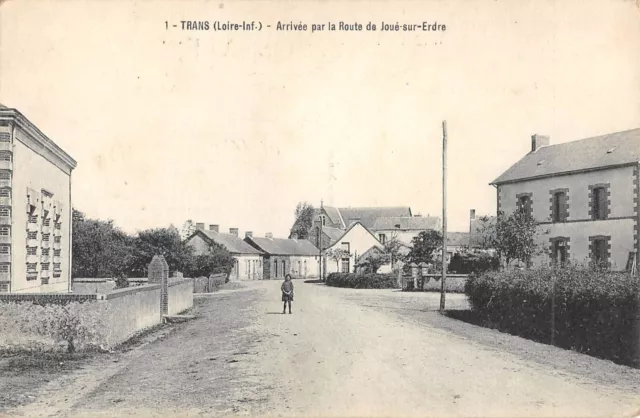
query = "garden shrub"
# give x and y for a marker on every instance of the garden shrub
(362, 281)
(596, 312)
(30, 326)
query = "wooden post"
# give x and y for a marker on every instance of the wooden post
(444, 216)
(553, 309)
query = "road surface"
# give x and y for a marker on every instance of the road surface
(342, 352)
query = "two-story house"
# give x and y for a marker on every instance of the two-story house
(584, 193)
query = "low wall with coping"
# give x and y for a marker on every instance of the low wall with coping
(129, 311)
(93, 285)
(180, 295)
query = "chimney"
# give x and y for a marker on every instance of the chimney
(472, 214)
(268, 235)
(233, 231)
(538, 141)
(215, 228)
(248, 234)
(200, 225)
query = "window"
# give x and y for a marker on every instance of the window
(382, 238)
(46, 222)
(32, 235)
(5, 192)
(284, 268)
(5, 156)
(299, 265)
(5, 249)
(600, 250)
(5, 211)
(345, 265)
(58, 225)
(346, 247)
(599, 203)
(56, 266)
(56, 253)
(559, 251)
(45, 237)
(524, 204)
(32, 250)
(306, 269)
(5, 231)
(45, 251)
(57, 240)
(5, 268)
(559, 210)
(323, 219)
(5, 137)
(32, 267)
(275, 268)
(33, 219)
(45, 266)
(5, 175)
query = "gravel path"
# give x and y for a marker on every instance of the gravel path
(343, 352)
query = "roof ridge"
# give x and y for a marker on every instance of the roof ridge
(588, 138)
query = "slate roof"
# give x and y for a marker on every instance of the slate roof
(457, 239)
(281, 246)
(334, 234)
(603, 151)
(368, 216)
(233, 244)
(419, 223)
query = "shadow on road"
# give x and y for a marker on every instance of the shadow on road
(317, 281)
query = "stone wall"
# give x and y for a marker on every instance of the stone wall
(180, 295)
(84, 286)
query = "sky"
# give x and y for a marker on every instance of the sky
(236, 128)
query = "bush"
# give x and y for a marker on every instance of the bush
(29, 326)
(362, 281)
(596, 312)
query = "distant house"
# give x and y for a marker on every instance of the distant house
(330, 223)
(585, 193)
(282, 256)
(355, 241)
(478, 238)
(248, 260)
(403, 228)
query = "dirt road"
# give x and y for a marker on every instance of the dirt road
(341, 353)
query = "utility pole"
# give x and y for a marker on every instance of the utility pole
(444, 216)
(320, 240)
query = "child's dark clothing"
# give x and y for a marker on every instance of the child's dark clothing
(287, 287)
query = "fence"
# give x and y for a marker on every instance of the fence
(209, 284)
(421, 279)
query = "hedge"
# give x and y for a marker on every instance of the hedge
(362, 281)
(29, 326)
(596, 312)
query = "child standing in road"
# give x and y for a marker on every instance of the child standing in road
(287, 293)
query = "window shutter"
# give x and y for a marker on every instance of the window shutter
(602, 204)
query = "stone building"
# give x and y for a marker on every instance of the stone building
(248, 260)
(299, 258)
(584, 194)
(35, 208)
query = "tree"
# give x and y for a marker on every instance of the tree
(423, 246)
(99, 248)
(392, 247)
(160, 241)
(373, 260)
(304, 220)
(514, 237)
(188, 228)
(215, 260)
(336, 254)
